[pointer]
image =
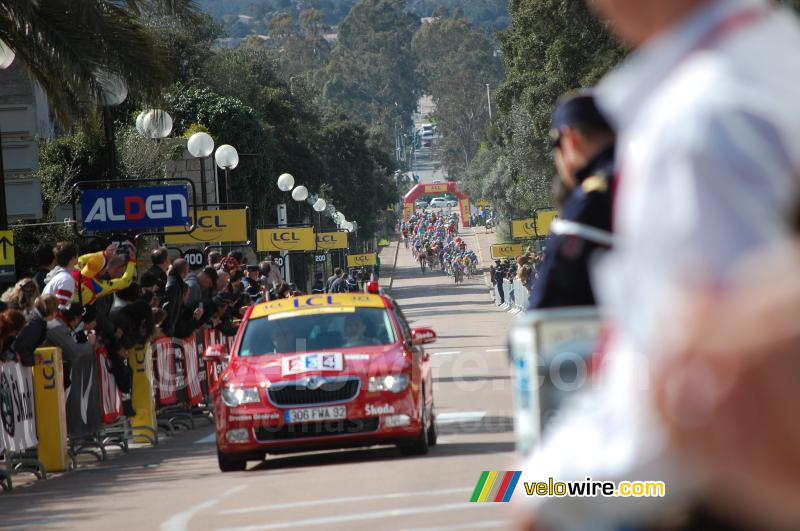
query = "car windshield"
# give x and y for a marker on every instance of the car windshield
(292, 332)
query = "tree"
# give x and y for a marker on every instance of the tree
(455, 64)
(66, 44)
(371, 71)
(553, 46)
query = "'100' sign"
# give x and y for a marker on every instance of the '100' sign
(135, 208)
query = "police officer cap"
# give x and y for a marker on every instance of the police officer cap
(577, 109)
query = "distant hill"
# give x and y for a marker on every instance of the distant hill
(240, 18)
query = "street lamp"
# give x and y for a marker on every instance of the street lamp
(156, 124)
(113, 91)
(227, 159)
(6, 58)
(201, 145)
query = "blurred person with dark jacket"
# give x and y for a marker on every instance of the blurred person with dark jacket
(174, 294)
(160, 260)
(45, 262)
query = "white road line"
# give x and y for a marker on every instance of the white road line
(495, 524)
(208, 439)
(327, 521)
(390, 496)
(443, 419)
(496, 350)
(451, 353)
(180, 521)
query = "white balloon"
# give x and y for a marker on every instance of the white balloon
(226, 157)
(319, 205)
(200, 144)
(285, 182)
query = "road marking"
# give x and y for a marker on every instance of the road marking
(443, 419)
(452, 353)
(496, 350)
(390, 496)
(180, 521)
(496, 524)
(328, 520)
(208, 439)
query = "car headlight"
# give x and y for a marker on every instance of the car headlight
(236, 396)
(395, 383)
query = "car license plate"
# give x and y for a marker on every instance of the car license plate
(314, 414)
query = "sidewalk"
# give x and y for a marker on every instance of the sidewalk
(388, 257)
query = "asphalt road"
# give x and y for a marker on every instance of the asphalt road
(177, 485)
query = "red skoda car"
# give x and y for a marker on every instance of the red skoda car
(323, 371)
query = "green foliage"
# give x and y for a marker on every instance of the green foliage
(455, 64)
(371, 72)
(196, 128)
(553, 46)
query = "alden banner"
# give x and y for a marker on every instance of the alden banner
(223, 226)
(329, 241)
(149, 207)
(286, 239)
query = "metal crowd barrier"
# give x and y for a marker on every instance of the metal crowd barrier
(43, 430)
(515, 296)
(551, 353)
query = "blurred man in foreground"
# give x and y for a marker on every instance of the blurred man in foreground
(708, 162)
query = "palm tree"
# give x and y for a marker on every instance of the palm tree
(66, 44)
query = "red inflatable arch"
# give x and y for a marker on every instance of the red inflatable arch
(436, 189)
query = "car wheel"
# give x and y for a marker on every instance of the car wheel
(230, 462)
(433, 435)
(420, 445)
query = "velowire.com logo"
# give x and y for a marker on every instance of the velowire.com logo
(494, 486)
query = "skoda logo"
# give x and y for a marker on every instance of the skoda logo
(314, 382)
(6, 405)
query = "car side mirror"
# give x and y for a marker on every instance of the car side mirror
(422, 336)
(215, 353)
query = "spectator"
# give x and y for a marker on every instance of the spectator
(22, 296)
(150, 289)
(252, 287)
(160, 259)
(214, 258)
(337, 273)
(173, 296)
(284, 291)
(34, 333)
(45, 262)
(219, 315)
(102, 274)
(134, 317)
(318, 286)
(271, 271)
(59, 281)
(158, 319)
(11, 323)
(61, 333)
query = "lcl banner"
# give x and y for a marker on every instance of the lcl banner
(523, 229)
(331, 240)
(506, 250)
(435, 188)
(17, 413)
(360, 260)
(408, 211)
(544, 217)
(135, 208)
(223, 226)
(286, 239)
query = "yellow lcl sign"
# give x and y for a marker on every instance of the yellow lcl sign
(331, 240)
(359, 260)
(286, 239)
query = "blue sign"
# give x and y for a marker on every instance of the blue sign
(149, 207)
